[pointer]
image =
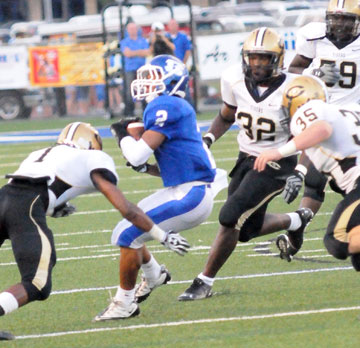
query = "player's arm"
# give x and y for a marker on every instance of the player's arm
(106, 185)
(137, 152)
(311, 136)
(299, 64)
(222, 122)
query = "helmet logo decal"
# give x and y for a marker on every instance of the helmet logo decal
(295, 92)
(174, 67)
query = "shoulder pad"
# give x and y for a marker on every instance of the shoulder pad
(313, 31)
(233, 74)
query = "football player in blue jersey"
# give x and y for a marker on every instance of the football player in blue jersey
(185, 165)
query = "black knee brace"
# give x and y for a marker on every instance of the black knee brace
(355, 260)
(35, 294)
(336, 248)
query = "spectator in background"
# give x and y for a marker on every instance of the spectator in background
(82, 98)
(182, 48)
(180, 40)
(135, 50)
(159, 42)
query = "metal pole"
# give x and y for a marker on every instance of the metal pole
(48, 10)
(193, 70)
(104, 37)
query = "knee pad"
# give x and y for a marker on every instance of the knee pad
(316, 193)
(355, 260)
(315, 184)
(226, 218)
(35, 294)
(336, 248)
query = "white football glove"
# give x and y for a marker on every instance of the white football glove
(175, 242)
(329, 73)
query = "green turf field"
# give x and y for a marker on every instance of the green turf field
(259, 301)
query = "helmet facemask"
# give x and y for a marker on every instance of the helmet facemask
(262, 55)
(342, 27)
(342, 21)
(149, 83)
(259, 72)
(153, 79)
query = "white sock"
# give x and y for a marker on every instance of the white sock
(125, 296)
(206, 280)
(151, 270)
(295, 222)
(8, 302)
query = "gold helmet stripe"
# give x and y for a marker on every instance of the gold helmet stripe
(72, 130)
(260, 35)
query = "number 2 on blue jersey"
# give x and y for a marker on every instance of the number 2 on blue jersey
(161, 117)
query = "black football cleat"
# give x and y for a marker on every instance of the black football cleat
(289, 244)
(6, 336)
(198, 290)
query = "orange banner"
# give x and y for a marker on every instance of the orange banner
(68, 65)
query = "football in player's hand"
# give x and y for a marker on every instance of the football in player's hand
(136, 129)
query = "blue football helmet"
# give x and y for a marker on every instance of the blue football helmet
(165, 74)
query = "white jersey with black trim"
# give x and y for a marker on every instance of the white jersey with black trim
(312, 43)
(68, 169)
(339, 155)
(262, 123)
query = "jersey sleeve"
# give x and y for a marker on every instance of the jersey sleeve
(227, 81)
(99, 160)
(306, 39)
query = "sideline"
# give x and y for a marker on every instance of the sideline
(50, 135)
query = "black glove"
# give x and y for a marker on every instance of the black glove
(63, 210)
(142, 168)
(293, 186)
(118, 129)
(176, 243)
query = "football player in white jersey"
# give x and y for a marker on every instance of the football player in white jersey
(42, 186)
(252, 94)
(330, 136)
(330, 51)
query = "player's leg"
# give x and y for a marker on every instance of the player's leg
(123, 305)
(180, 208)
(290, 243)
(248, 191)
(342, 238)
(314, 192)
(33, 248)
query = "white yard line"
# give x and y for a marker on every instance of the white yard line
(246, 276)
(191, 322)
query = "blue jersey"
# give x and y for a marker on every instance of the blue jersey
(181, 157)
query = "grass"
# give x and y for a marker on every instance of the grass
(259, 301)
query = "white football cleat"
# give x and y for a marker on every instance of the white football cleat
(144, 289)
(117, 310)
